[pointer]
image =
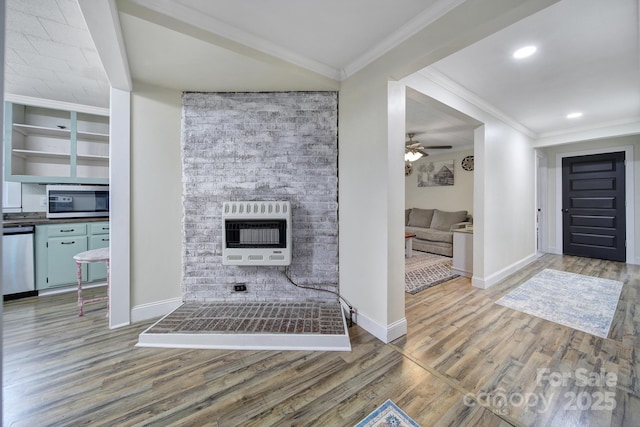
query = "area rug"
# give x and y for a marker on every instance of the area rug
(424, 270)
(386, 415)
(580, 302)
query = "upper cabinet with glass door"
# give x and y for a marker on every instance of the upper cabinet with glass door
(47, 145)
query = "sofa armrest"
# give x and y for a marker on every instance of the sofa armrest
(460, 225)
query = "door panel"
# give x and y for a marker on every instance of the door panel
(62, 267)
(593, 194)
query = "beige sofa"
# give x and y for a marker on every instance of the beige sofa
(433, 229)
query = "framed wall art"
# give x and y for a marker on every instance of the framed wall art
(436, 174)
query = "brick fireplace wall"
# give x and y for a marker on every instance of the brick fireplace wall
(260, 146)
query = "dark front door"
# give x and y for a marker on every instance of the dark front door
(593, 206)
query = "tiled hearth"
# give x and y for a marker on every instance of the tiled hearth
(252, 325)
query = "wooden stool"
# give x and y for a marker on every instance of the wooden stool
(95, 255)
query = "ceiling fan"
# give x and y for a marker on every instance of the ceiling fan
(413, 150)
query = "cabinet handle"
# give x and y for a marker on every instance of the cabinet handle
(105, 240)
(67, 243)
(105, 228)
(67, 231)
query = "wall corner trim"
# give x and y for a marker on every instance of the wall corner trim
(384, 333)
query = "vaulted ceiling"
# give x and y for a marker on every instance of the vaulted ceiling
(587, 58)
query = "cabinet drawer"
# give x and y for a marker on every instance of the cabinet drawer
(96, 242)
(99, 228)
(66, 230)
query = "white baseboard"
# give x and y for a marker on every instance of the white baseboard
(154, 310)
(384, 333)
(484, 283)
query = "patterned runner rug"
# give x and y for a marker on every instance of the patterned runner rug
(424, 270)
(580, 302)
(386, 415)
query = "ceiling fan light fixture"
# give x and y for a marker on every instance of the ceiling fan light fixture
(575, 115)
(411, 156)
(524, 52)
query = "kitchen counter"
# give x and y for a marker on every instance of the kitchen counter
(26, 219)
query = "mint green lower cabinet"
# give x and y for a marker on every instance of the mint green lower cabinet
(57, 244)
(98, 270)
(61, 266)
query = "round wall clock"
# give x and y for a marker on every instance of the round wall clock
(467, 163)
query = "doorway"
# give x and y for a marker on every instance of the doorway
(594, 206)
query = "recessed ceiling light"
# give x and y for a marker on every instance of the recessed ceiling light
(574, 115)
(523, 52)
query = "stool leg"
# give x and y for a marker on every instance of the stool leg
(80, 301)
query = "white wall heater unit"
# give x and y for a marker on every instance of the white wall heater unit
(256, 233)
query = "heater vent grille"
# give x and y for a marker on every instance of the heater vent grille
(256, 208)
(256, 233)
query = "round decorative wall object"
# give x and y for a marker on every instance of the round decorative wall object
(467, 163)
(408, 168)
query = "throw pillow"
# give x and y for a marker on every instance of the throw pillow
(443, 220)
(406, 216)
(420, 217)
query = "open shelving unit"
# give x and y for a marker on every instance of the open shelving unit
(46, 145)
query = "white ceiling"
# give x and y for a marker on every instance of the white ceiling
(49, 54)
(434, 123)
(587, 55)
(587, 60)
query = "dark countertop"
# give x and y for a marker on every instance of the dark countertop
(39, 218)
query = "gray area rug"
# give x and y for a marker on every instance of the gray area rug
(580, 302)
(424, 270)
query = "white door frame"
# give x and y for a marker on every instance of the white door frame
(542, 190)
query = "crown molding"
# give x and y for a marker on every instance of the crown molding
(190, 16)
(441, 80)
(57, 105)
(412, 27)
(204, 22)
(598, 131)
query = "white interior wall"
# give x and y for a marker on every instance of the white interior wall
(458, 196)
(509, 181)
(120, 218)
(156, 201)
(396, 134)
(363, 163)
(32, 195)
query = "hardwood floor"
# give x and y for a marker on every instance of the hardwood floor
(461, 355)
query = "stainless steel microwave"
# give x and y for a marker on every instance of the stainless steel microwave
(77, 201)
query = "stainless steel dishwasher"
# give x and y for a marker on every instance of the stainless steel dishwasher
(18, 278)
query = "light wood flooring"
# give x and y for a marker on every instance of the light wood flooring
(462, 358)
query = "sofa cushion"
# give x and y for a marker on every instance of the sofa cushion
(420, 217)
(430, 234)
(406, 216)
(443, 220)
